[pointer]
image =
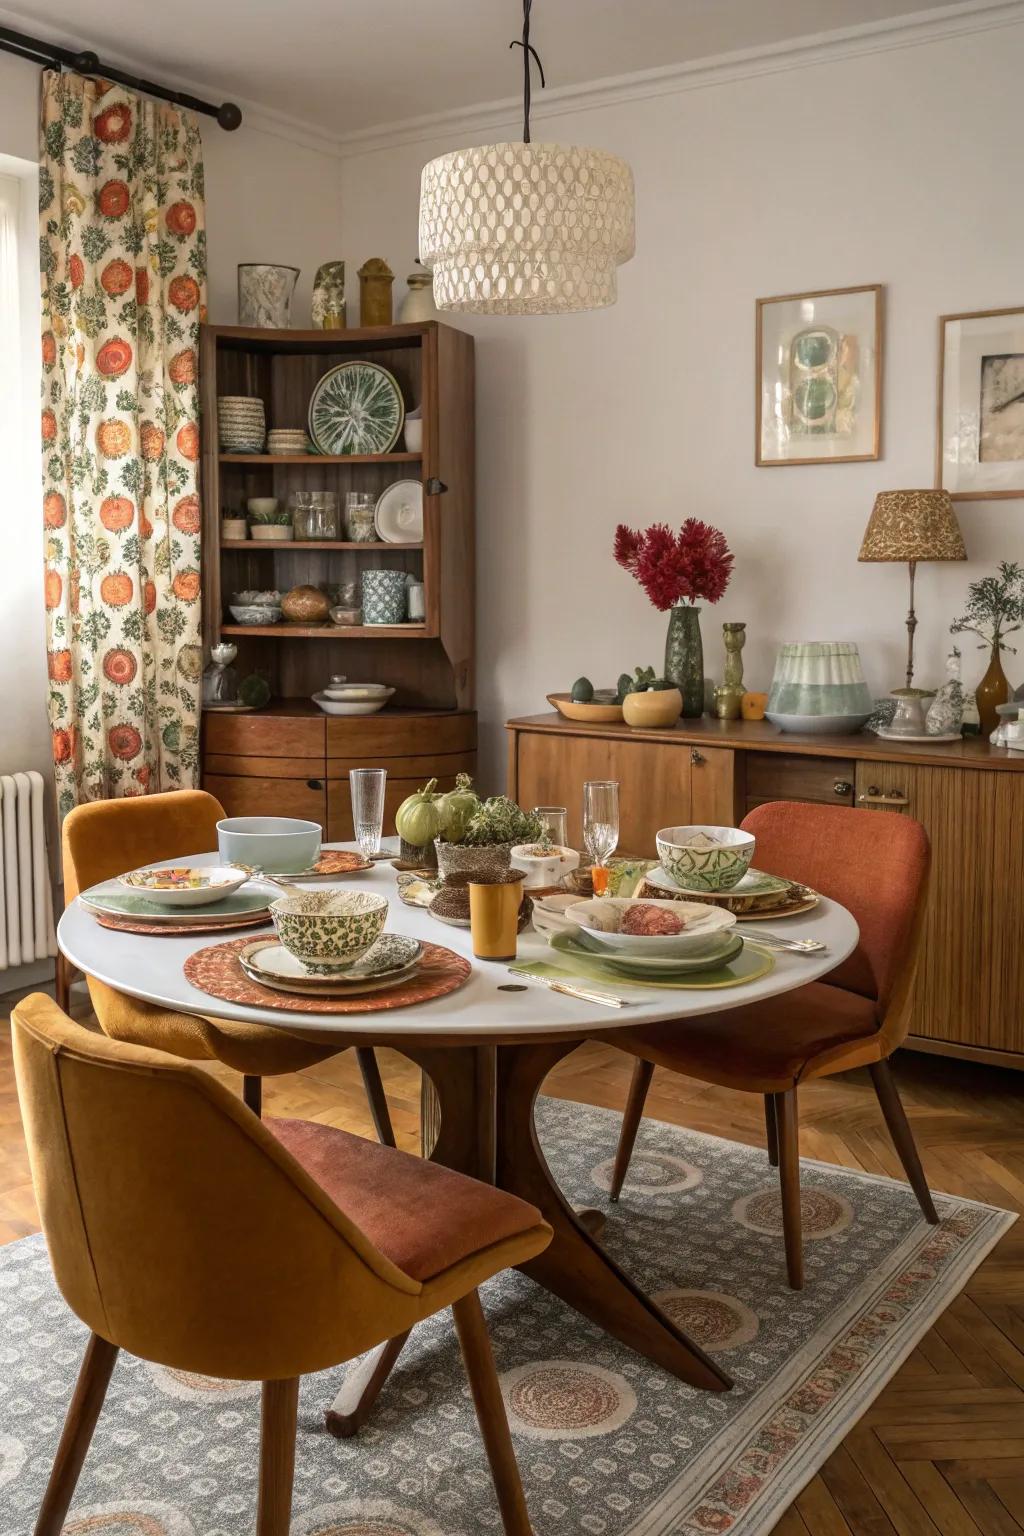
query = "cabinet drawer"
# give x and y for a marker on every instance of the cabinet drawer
(789, 776)
(374, 737)
(264, 735)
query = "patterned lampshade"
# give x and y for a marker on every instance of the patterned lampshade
(526, 229)
(913, 525)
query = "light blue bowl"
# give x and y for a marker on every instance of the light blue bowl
(282, 845)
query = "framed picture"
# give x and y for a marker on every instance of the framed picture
(980, 438)
(819, 377)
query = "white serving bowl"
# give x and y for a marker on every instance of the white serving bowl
(694, 868)
(217, 882)
(329, 930)
(356, 692)
(352, 706)
(543, 866)
(705, 926)
(254, 613)
(281, 845)
(262, 506)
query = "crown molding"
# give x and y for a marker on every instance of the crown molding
(489, 121)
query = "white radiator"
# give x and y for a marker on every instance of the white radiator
(26, 899)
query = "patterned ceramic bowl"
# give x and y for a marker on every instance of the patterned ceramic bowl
(458, 862)
(705, 858)
(329, 930)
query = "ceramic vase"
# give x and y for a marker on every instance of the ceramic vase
(418, 303)
(375, 280)
(684, 658)
(329, 297)
(265, 295)
(992, 691)
(383, 597)
(729, 697)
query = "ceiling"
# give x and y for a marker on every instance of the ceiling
(357, 64)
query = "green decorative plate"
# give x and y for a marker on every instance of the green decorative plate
(111, 899)
(647, 967)
(749, 965)
(356, 408)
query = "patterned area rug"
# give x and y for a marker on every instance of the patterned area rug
(608, 1444)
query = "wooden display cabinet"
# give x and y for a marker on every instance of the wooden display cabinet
(290, 759)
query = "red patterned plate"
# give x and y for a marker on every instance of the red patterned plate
(216, 970)
(332, 863)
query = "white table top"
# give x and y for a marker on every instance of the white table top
(152, 969)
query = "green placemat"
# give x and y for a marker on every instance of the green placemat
(750, 965)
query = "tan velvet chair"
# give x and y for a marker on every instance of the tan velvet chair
(159, 1194)
(108, 837)
(876, 865)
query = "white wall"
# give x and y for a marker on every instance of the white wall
(891, 167)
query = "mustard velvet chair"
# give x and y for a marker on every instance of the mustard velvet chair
(187, 1231)
(107, 837)
(876, 865)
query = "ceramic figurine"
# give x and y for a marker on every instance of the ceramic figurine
(728, 698)
(946, 712)
(220, 680)
(265, 295)
(329, 297)
(375, 280)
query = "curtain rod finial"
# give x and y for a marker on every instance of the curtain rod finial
(229, 116)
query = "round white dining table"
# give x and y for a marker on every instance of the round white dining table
(487, 1052)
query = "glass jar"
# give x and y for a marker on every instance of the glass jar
(314, 515)
(359, 517)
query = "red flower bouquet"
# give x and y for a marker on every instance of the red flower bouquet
(695, 563)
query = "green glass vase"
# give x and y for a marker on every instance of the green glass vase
(684, 658)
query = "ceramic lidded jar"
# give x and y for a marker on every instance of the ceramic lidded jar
(375, 280)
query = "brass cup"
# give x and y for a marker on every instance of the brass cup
(494, 916)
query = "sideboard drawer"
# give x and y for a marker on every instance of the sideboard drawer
(786, 776)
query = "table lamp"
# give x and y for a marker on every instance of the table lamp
(911, 526)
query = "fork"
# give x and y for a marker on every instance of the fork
(780, 942)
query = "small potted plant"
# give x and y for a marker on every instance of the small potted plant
(648, 702)
(478, 841)
(675, 570)
(269, 521)
(995, 609)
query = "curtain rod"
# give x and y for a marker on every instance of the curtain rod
(86, 63)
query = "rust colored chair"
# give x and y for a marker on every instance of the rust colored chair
(160, 1193)
(876, 865)
(108, 837)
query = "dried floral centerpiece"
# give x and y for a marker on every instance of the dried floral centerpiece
(676, 570)
(995, 609)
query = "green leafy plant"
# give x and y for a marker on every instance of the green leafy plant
(281, 518)
(500, 820)
(642, 681)
(995, 608)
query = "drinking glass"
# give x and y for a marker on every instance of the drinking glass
(366, 786)
(600, 819)
(555, 821)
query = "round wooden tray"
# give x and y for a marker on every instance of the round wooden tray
(225, 925)
(216, 970)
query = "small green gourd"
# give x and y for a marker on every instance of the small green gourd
(418, 818)
(254, 691)
(582, 691)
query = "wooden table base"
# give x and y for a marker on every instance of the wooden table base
(484, 1126)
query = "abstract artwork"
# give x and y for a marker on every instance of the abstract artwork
(980, 447)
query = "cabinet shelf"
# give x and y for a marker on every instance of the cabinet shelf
(277, 545)
(329, 631)
(316, 460)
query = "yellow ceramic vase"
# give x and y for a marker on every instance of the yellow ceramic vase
(653, 710)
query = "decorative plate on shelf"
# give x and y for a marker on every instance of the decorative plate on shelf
(398, 516)
(356, 408)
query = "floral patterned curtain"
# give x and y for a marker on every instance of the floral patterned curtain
(123, 257)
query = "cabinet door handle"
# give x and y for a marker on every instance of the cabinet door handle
(697, 758)
(314, 783)
(842, 787)
(874, 796)
(435, 487)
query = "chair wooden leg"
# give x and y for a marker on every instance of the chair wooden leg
(90, 1390)
(375, 1094)
(490, 1413)
(771, 1129)
(902, 1136)
(252, 1093)
(643, 1071)
(787, 1121)
(278, 1417)
(63, 972)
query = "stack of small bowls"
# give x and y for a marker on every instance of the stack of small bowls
(241, 423)
(283, 442)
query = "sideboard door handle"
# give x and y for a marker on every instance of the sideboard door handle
(697, 758)
(314, 783)
(874, 797)
(435, 487)
(842, 787)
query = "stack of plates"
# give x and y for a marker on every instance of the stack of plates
(283, 441)
(241, 423)
(392, 960)
(112, 900)
(757, 895)
(718, 951)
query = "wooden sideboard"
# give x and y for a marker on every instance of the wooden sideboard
(968, 795)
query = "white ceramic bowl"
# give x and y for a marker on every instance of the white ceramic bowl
(281, 845)
(217, 881)
(817, 725)
(696, 868)
(245, 613)
(352, 706)
(550, 913)
(329, 930)
(543, 866)
(356, 692)
(262, 506)
(705, 926)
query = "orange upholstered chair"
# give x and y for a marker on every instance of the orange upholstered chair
(876, 865)
(108, 837)
(182, 1228)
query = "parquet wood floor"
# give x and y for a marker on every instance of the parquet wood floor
(941, 1452)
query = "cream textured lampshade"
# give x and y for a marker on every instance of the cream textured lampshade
(913, 525)
(526, 229)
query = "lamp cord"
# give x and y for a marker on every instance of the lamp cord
(529, 52)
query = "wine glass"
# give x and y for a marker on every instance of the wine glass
(600, 819)
(367, 790)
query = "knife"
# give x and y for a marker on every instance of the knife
(607, 999)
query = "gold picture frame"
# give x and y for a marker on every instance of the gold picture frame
(981, 355)
(835, 405)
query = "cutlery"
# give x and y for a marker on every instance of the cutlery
(584, 994)
(780, 942)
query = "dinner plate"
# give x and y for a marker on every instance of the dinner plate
(111, 898)
(392, 959)
(398, 516)
(212, 883)
(754, 883)
(716, 948)
(637, 965)
(356, 407)
(598, 916)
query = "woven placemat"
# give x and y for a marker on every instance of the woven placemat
(216, 970)
(225, 925)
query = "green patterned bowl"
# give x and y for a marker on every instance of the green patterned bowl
(705, 858)
(329, 928)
